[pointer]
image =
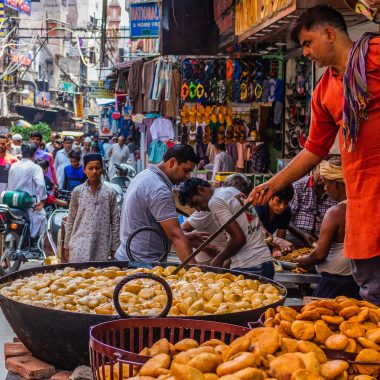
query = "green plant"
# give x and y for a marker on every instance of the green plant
(25, 131)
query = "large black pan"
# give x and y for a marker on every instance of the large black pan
(61, 337)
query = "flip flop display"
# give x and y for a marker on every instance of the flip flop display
(297, 99)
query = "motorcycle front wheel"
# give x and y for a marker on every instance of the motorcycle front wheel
(8, 246)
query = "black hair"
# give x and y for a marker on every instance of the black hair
(28, 150)
(189, 188)
(92, 157)
(238, 181)
(221, 146)
(317, 16)
(130, 138)
(182, 153)
(68, 138)
(3, 136)
(75, 154)
(36, 134)
(42, 163)
(286, 194)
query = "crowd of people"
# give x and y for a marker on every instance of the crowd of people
(39, 169)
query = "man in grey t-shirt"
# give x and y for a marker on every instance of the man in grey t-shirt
(149, 202)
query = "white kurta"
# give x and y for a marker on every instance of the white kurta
(116, 155)
(61, 161)
(29, 177)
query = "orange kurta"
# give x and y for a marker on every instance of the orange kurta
(361, 168)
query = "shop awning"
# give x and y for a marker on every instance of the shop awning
(104, 102)
(36, 115)
(260, 28)
(126, 65)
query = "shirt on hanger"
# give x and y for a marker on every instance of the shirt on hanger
(162, 129)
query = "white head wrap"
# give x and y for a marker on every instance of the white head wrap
(331, 172)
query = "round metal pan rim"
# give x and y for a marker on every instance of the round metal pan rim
(51, 268)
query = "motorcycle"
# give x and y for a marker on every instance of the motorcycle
(16, 243)
(124, 175)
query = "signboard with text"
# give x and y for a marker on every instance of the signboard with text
(98, 89)
(22, 6)
(144, 20)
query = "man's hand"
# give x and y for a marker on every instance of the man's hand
(303, 261)
(309, 239)
(261, 194)
(39, 206)
(197, 238)
(217, 262)
(285, 246)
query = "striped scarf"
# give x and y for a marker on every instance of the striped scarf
(356, 96)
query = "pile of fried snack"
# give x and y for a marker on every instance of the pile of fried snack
(290, 350)
(195, 293)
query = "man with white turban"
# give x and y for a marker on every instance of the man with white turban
(334, 267)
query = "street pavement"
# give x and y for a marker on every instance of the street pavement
(6, 332)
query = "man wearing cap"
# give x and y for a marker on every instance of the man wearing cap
(16, 145)
(328, 256)
(62, 159)
(86, 148)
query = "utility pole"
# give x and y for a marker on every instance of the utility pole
(103, 37)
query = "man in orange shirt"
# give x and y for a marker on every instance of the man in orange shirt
(347, 99)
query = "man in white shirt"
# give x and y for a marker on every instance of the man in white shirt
(15, 149)
(246, 248)
(50, 146)
(62, 159)
(27, 176)
(117, 154)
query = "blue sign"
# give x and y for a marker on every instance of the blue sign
(22, 6)
(145, 20)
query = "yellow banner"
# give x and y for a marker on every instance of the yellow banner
(251, 13)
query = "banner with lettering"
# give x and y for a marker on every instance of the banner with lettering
(145, 20)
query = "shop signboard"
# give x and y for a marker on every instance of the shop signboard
(251, 17)
(67, 87)
(144, 20)
(98, 89)
(22, 6)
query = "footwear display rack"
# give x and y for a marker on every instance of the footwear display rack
(297, 105)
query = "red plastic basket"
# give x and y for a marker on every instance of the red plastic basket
(119, 342)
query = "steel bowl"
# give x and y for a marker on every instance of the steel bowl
(61, 337)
